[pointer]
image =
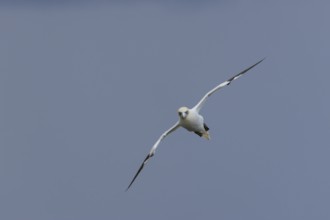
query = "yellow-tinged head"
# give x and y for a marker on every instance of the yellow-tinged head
(183, 112)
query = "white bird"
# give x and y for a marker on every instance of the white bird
(191, 120)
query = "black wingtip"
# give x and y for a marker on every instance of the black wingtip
(259, 61)
(138, 172)
(244, 71)
(253, 65)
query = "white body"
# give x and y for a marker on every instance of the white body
(193, 121)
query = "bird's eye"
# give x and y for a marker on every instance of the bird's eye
(186, 112)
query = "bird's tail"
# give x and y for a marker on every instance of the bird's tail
(206, 135)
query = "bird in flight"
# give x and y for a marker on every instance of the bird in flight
(191, 120)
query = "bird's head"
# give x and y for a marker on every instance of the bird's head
(183, 112)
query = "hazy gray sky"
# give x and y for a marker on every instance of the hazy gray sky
(87, 88)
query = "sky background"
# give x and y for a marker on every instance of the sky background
(87, 87)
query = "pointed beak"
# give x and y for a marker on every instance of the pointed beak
(182, 115)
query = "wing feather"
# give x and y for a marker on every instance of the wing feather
(226, 83)
(153, 150)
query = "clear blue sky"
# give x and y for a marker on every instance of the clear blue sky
(87, 88)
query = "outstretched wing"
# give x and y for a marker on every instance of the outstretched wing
(153, 150)
(226, 83)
